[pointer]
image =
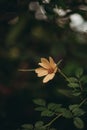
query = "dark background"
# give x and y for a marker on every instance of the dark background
(21, 46)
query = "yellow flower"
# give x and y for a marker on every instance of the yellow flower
(48, 69)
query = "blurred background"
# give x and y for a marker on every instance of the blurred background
(23, 41)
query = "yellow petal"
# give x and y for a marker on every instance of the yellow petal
(45, 63)
(55, 70)
(52, 63)
(48, 77)
(41, 72)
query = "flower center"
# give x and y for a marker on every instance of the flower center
(51, 70)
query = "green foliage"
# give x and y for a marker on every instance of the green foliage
(79, 72)
(76, 110)
(40, 108)
(66, 113)
(73, 85)
(73, 80)
(83, 79)
(54, 106)
(78, 122)
(55, 110)
(47, 113)
(39, 125)
(27, 127)
(40, 102)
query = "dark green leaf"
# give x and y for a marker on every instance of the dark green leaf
(47, 113)
(54, 106)
(78, 122)
(73, 80)
(40, 108)
(79, 72)
(78, 112)
(40, 102)
(66, 113)
(27, 126)
(84, 79)
(39, 124)
(73, 85)
(71, 107)
(76, 93)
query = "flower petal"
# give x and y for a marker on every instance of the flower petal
(45, 63)
(55, 70)
(41, 72)
(52, 63)
(48, 77)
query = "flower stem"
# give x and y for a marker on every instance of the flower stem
(59, 62)
(82, 102)
(67, 79)
(25, 70)
(53, 120)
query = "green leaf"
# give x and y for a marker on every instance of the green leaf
(73, 85)
(73, 80)
(39, 124)
(40, 102)
(79, 72)
(84, 79)
(76, 93)
(27, 126)
(71, 107)
(78, 112)
(66, 113)
(40, 108)
(54, 106)
(47, 113)
(78, 122)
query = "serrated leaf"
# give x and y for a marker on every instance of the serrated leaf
(40, 102)
(79, 72)
(39, 124)
(78, 122)
(73, 85)
(47, 113)
(27, 126)
(73, 79)
(54, 106)
(40, 108)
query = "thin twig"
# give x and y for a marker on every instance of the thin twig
(53, 120)
(25, 70)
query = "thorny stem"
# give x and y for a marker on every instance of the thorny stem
(25, 70)
(53, 120)
(82, 102)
